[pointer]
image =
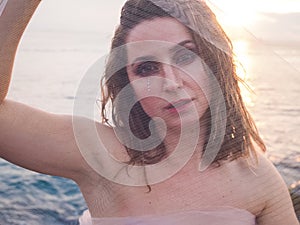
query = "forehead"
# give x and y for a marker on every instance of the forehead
(155, 37)
(160, 29)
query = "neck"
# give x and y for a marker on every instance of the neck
(187, 137)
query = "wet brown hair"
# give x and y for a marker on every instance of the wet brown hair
(214, 48)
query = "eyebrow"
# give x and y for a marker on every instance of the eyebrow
(143, 59)
(152, 58)
(180, 45)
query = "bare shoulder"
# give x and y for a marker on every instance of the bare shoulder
(99, 147)
(258, 187)
(269, 184)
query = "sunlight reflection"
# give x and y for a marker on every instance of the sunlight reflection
(234, 13)
(243, 64)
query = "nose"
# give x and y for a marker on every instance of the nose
(173, 80)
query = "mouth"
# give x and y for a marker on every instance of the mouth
(181, 104)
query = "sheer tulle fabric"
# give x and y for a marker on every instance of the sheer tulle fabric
(220, 216)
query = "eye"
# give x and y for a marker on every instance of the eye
(147, 68)
(184, 57)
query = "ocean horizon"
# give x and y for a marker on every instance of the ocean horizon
(51, 61)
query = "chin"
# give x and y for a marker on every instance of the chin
(182, 121)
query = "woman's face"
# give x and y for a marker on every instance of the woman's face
(165, 71)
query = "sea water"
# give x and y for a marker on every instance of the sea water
(48, 69)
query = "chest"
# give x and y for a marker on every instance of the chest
(185, 191)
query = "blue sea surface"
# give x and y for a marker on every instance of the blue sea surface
(47, 71)
(31, 198)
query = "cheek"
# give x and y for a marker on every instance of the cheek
(142, 94)
(198, 74)
(146, 92)
(147, 105)
(200, 81)
(152, 106)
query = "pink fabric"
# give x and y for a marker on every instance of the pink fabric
(85, 219)
(220, 216)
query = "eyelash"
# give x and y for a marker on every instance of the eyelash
(147, 68)
(180, 58)
(185, 56)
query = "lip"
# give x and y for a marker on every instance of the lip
(179, 105)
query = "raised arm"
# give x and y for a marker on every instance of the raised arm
(29, 137)
(13, 22)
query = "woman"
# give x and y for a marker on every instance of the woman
(169, 60)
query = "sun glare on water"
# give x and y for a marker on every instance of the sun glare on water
(238, 15)
(243, 65)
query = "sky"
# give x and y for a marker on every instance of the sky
(267, 20)
(275, 6)
(263, 17)
(76, 15)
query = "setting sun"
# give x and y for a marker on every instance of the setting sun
(234, 13)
